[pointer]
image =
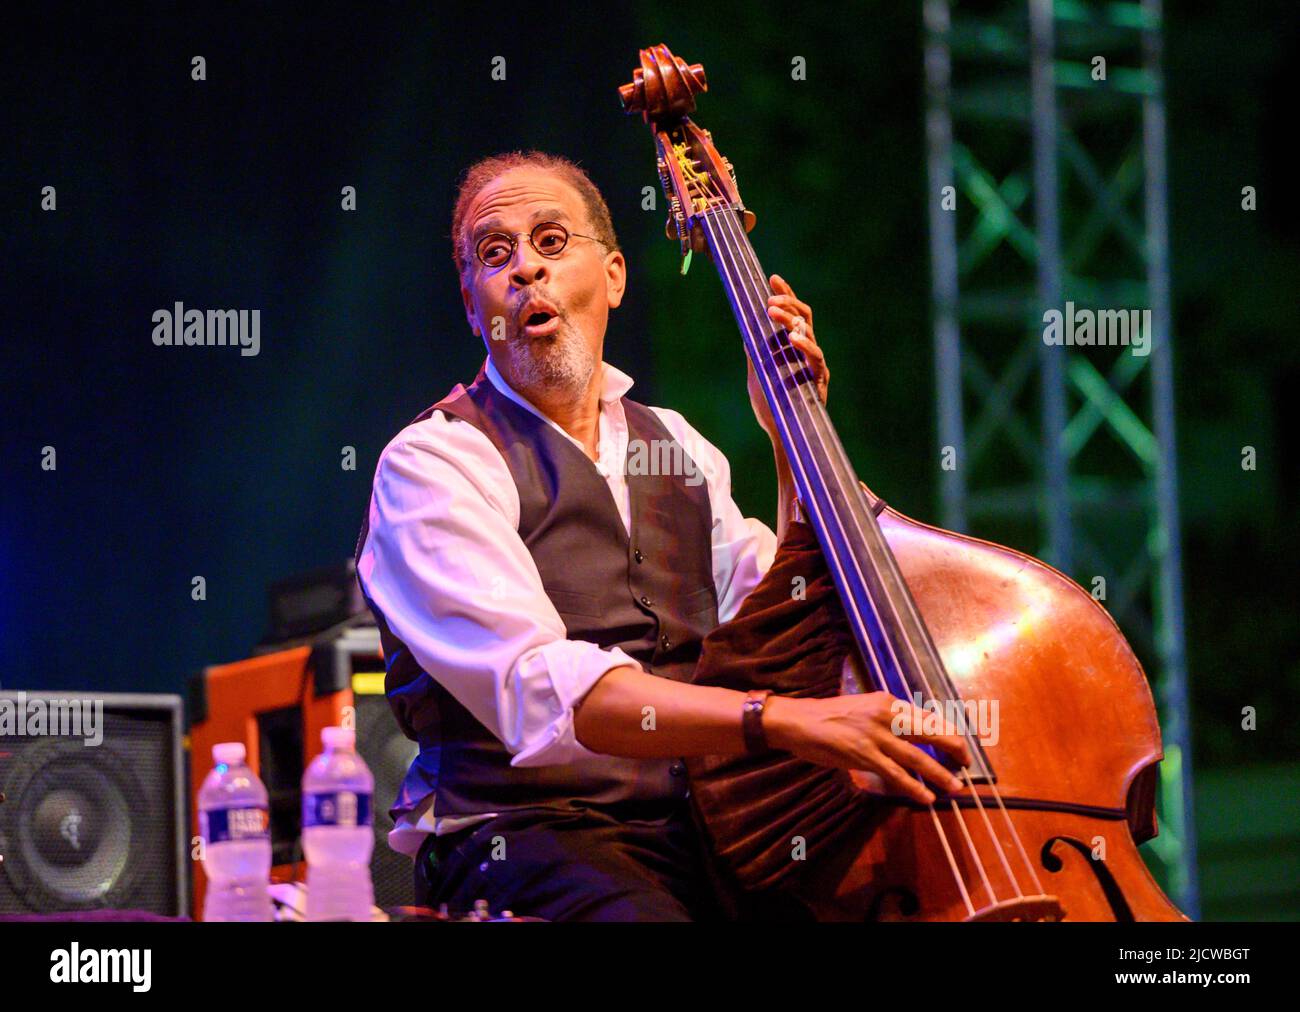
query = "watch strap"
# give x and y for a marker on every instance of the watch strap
(752, 720)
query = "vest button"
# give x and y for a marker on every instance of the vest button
(677, 769)
(666, 643)
(638, 556)
(646, 601)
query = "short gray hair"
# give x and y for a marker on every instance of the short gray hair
(487, 169)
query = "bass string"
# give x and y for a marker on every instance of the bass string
(747, 250)
(765, 377)
(972, 850)
(751, 325)
(788, 351)
(745, 286)
(819, 422)
(816, 422)
(766, 367)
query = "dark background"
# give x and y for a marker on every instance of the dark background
(176, 462)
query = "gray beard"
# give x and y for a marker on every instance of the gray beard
(562, 366)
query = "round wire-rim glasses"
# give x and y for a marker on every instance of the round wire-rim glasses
(549, 238)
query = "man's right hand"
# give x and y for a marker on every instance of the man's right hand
(855, 732)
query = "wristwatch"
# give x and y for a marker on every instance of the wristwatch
(752, 720)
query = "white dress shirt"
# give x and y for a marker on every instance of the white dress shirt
(446, 566)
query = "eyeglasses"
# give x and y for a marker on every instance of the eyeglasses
(549, 239)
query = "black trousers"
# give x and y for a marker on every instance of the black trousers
(609, 864)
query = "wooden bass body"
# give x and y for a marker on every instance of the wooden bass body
(1069, 731)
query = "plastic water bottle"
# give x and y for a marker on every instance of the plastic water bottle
(337, 830)
(233, 821)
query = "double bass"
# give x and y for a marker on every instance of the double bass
(1053, 806)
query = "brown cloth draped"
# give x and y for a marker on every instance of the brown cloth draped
(789, 636)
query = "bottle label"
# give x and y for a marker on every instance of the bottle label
(336, 808)
(224, 824)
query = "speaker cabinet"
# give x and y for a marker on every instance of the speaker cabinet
(93, 811)
(389, 754)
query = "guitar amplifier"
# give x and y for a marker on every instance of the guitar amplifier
(277, 704)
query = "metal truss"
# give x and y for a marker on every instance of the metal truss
(1068, 451)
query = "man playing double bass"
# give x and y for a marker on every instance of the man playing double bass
(542, 602)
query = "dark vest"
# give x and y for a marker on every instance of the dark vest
(651, 594)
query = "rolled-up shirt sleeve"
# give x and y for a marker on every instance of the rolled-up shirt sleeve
(445, 565)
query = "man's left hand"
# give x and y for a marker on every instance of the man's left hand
(786, 310)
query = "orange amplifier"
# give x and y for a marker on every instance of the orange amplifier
(276, 704)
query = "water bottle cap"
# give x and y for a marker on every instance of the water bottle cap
(339, 737)
(232, 753)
